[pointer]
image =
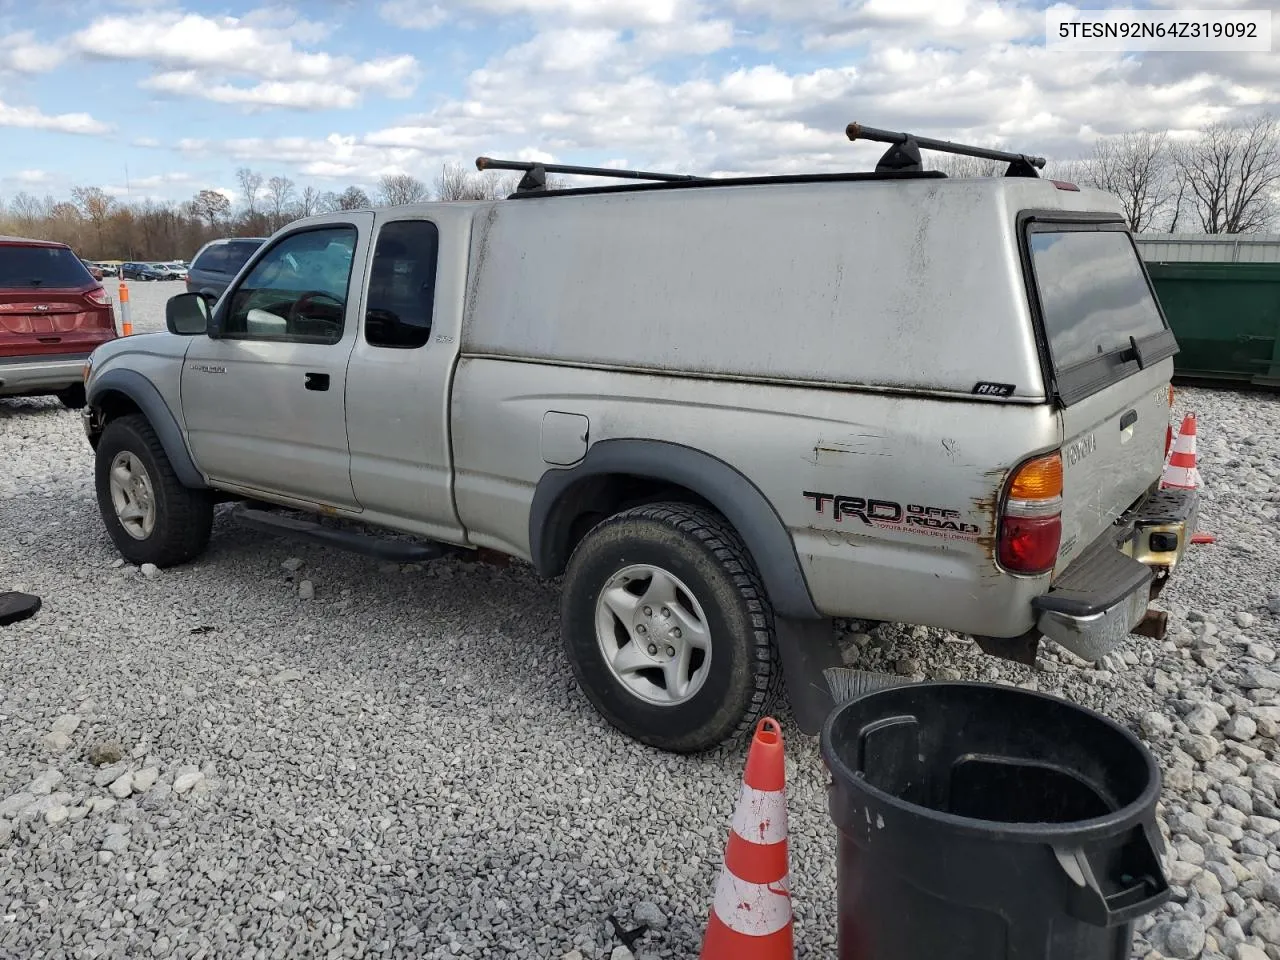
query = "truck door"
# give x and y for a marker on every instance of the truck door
(400, 378)
(265, 402)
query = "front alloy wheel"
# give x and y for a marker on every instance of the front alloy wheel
(132, 495)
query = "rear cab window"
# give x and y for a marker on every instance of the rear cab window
(1101, 321)
(42, 268)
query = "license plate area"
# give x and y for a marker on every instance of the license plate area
(1159, 531)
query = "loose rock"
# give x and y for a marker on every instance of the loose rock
(101, 754)
(122, 786)
(1182, 938)
(56, 742)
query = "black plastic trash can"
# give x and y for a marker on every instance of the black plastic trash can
(983, 822)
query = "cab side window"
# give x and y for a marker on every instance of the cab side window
(297, 293)
(402, 285)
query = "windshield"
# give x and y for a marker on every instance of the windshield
(42, 267)
(1093, 293)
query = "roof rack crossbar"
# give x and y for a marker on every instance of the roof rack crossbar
(904, 154)
(535, 174)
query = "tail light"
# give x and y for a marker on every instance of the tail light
(99, 296)
(1168, 428)
(1031, 522)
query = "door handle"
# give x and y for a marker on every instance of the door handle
(1128, 419)
(317, 381)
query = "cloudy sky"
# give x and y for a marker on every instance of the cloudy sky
(333, 92)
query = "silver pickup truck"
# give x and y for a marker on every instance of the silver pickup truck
(724, 411)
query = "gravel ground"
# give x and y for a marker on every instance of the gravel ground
(300, 752)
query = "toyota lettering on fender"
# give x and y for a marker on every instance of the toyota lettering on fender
(913, 517)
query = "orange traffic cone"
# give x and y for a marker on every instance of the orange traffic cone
(751, 914)
(1180, 472)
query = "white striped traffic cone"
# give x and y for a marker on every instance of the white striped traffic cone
(751, 914)
(1180, 472)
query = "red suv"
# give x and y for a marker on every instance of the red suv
(53, 313)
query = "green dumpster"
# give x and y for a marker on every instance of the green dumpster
(1226, 317)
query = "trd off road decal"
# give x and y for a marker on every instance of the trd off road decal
(890, 515)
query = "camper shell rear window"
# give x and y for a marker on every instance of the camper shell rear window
(1099, 317)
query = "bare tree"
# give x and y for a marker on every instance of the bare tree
(28, 210)
(1232, 174)
(212, 206)
(456, 182)
(310, 202)
(353, 198)
(279, 192)
(1137, 169)
(398, 188)
(250, 183)
(96, 205)
(962, 166)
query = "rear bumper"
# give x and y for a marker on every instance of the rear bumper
(1103, 595)
(26, 375)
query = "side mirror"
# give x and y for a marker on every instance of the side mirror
(187, 314)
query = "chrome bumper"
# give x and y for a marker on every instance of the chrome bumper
(1104, 594)
(1092, 636)
(25, 375)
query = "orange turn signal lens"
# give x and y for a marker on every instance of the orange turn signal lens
(1038, 479)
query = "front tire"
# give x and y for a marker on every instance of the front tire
(149, 515)
(668, 629)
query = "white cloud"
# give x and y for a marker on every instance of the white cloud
(426, 14)
(333, 157)
(32, 177)
(154, 185)
(197, 55)
(30, 118)
(413, 14)
(21, 53)
(298, 94)
(716, 87)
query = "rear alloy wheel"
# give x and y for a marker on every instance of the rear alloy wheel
(149, 515)
(668, 629)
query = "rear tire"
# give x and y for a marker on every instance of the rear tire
(149, 515)
(688, 567)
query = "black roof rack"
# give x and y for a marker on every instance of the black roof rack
(900, 161)
(535, 173)
(905, 152)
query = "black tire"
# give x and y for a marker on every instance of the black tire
(183, 518)
(72, 397)
(699, 547)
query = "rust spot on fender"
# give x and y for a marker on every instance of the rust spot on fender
(988, 505)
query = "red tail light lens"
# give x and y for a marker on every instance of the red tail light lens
(1031, 525)
(99, 296)
(1030, 544)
